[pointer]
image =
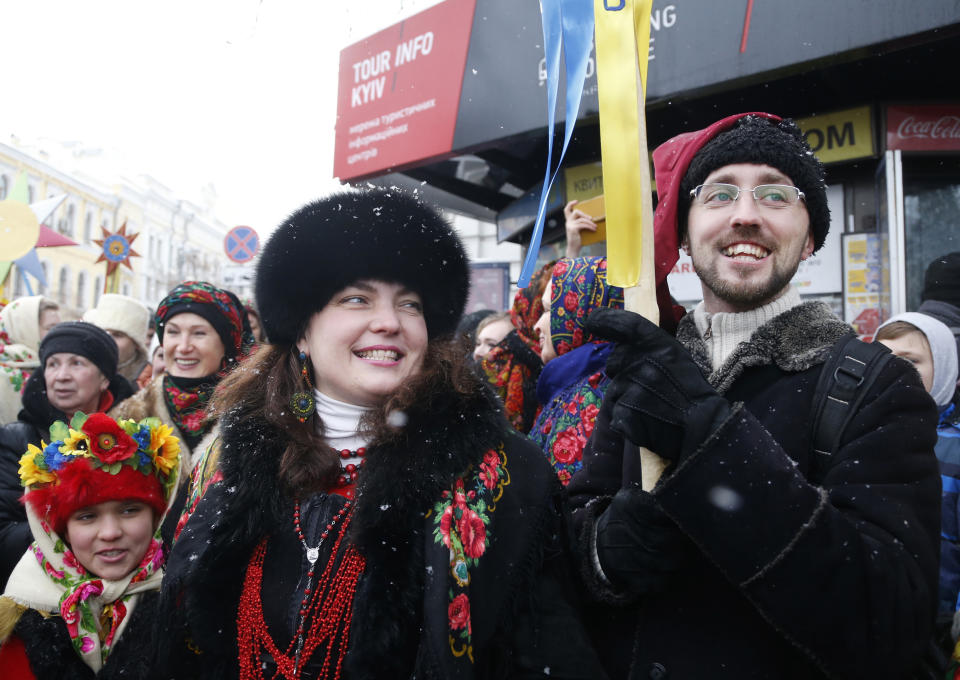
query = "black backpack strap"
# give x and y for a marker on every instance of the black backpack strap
(845, 379)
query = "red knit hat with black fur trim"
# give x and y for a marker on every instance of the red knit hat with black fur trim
(81, 485)
(686, 160)
(104, 460)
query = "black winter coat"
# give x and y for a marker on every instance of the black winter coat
(32, 426)
(521, 592)
(798, 568)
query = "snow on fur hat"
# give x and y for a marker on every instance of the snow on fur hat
(121, 313)
(103, 460)
(379, 234)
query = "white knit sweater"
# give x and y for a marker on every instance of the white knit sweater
(723, 331)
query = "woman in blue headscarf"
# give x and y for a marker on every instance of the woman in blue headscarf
(572, 383)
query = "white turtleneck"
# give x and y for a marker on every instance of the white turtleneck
(723, 331)
(341, 423)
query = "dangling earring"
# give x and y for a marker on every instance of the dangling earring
(302, 403)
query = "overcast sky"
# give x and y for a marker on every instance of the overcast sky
(238, 93)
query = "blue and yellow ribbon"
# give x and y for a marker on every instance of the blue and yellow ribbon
(567, 26)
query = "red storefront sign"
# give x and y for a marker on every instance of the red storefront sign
(399, 91)
(923, 128)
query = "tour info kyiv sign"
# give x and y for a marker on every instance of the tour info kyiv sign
(465, 73)
(399, 90)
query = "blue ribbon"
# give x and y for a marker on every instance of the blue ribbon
(567, 24)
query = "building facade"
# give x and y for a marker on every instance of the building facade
(176, 239)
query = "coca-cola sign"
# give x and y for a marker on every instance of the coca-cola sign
(923, 128)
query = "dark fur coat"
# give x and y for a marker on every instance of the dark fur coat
(521, 593)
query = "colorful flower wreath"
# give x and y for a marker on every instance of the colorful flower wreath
(95, 459)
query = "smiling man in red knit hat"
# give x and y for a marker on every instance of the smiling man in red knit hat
(755, 555)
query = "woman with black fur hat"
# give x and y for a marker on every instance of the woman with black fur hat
(78, 372)
(377, 515)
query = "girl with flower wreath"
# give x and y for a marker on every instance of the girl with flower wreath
(77, 372)
(82, 600)
(372, 514)
(572, 383)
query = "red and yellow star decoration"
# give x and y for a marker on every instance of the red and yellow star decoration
(117, 248)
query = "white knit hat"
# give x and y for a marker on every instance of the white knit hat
(121, 313)
(943, 349)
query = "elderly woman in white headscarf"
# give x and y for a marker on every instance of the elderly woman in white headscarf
(929, 345)
(23, 323)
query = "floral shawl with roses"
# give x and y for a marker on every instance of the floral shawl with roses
(571, 386)
(461, 520)
(187, 400)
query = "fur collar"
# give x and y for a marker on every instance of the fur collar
(445, 433)
(793, 341)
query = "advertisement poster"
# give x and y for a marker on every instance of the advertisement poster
(489, 287)
(866, 296)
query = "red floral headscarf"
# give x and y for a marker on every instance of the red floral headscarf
(513, 366)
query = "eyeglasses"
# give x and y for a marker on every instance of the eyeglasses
(766, 195)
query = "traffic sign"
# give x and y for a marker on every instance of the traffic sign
(241, 244)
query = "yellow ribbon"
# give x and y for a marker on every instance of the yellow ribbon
(622, 37)
(622, 46)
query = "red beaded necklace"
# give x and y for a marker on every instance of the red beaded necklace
(350, 472)
(328, 607)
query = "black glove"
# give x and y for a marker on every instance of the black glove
(638, 546)
(658, 397)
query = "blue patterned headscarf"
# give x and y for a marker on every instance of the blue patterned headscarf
(578, 287)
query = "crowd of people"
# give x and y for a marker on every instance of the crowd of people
(351, 478)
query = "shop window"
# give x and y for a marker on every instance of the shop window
(62, 285)
(931, 202)
(70, 219)
(81, 291)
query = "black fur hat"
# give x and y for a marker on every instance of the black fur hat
(379, 234)
(763, 141)
(941, 281)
